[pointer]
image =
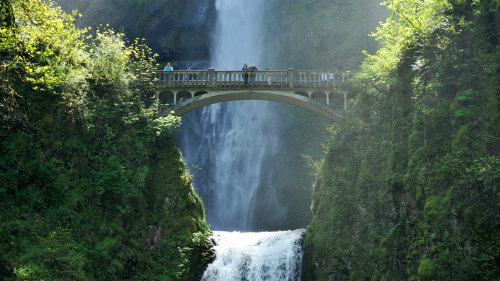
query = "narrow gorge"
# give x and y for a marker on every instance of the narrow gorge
(102, 178)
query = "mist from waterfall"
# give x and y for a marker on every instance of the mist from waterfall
(231, 146)
(238, 34)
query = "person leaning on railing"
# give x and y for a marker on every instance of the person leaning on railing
(168, 67)
(252, 69)
(245, 76)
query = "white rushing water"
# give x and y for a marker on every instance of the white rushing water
(256, 256)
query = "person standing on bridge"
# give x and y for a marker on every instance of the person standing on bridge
(245, 76)
(253, 69)
(168, 67)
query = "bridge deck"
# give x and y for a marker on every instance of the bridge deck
(244, 79)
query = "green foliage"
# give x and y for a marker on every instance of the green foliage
(431, 207)
(409, 186)
(109, 56)
(85, 168)
(410, 25)
(49, 44)
(166, 125)
(55, 257)
(426, 270)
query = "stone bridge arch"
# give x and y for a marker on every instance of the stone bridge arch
(322, 92)
(315, 101)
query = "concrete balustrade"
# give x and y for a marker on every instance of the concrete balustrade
(263, 79)
(322, 92)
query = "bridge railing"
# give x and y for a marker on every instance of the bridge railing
(261, 79)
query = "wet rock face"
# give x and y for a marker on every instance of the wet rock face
(152, 238)
(175, 29)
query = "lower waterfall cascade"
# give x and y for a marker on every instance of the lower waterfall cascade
(257, 256)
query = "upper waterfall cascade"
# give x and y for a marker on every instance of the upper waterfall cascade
(232, 144)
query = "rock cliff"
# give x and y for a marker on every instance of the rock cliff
(175, 29)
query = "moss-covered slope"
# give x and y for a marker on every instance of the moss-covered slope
(409, 187)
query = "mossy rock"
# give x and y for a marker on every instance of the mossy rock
(431, 207)
(462, 138)
(426, 270)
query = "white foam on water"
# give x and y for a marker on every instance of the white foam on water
(256, 256)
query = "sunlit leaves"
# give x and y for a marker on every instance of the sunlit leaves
(141, 64)
(49, 43)
(45, 53)
(109, 56)
(166, 125)
(410, 25)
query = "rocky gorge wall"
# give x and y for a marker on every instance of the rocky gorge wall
(175, 29)
(408, 189)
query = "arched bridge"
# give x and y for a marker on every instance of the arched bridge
(323, 92)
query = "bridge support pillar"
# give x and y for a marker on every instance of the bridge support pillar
(175, 97)
(327, 98)
(290, 77)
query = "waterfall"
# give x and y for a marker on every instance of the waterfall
(238, 35)
(233, 144)
(231, 147)
(256, 256)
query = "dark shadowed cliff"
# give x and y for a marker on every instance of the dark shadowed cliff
(175, 29)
